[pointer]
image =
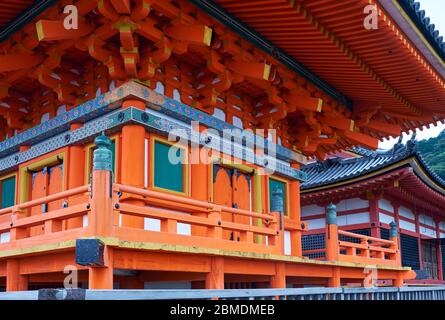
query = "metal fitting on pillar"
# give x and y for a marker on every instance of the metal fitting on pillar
(393, 230)
(102, 159)
(331, 214)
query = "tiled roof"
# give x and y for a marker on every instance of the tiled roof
(423, 23)
(339, 170)
(14, 14)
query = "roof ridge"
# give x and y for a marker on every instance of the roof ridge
(418, 16)
(334, 169)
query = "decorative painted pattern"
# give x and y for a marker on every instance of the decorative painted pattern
(154, 122)
(112, 99)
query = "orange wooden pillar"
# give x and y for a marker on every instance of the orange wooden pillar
(101, 215)
(374, 216)
(335, 280)
(14, 280)
(133, 161)
(295, 215)
(278, 280)
(200, 179)
(332, 248)
(76, 174)
(102, 277)
(215, 277)
(394, 236)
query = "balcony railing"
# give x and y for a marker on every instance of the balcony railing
(20, 224)
(104, 206)
(368, 250)
(205, 219)
(102, 212)
(356, 248)
(106, 209)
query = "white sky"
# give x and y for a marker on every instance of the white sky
(435, 9)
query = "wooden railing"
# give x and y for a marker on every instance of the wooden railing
(21, 224)
(315, 254)
(369, 250)
(206, 220)
(209, 228)
(340, 245)
(106, 204)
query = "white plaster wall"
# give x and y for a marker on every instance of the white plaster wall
(152, 224)
(384, 218)
(344, 220)
(287, 243)
(316, 223)
(352, 219)
(407, 225)
(5, 237)
(85, 220)
(352, 204)
(407, 213)
(427, 220)
(184, 229)
(312, 210)
(386, 205)
(427, 232)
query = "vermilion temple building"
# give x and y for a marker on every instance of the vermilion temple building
(97, 97)
(373, 189)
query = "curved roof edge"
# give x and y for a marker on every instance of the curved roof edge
(419, 29)
(322, 175)
(25, 17)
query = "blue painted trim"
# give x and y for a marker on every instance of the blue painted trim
(112, 100)
(154, 122)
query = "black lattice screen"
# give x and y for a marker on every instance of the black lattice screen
(409, 248)
(442, 249)
(363, 232)
(384, 233)
(314, 242)
(317, 241)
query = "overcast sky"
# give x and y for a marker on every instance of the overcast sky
(435, 9)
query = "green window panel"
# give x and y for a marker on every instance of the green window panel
(277, 196)
(168, 175)
(8, 192)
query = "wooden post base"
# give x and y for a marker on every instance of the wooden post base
(335, 281)
(278, 280)
(215, 278)
(102, 277)
(14, 280)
